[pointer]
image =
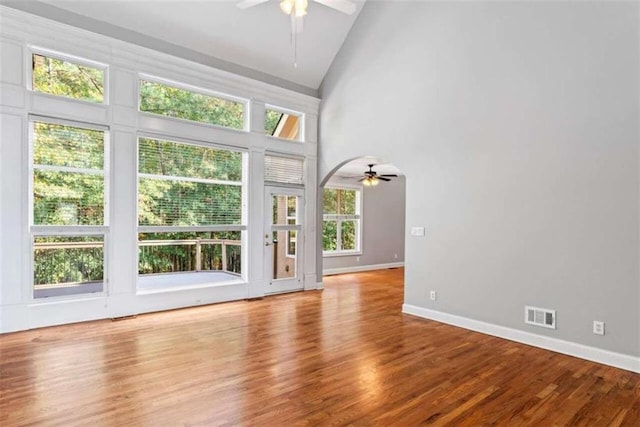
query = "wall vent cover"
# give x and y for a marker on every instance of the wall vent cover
(540, 317)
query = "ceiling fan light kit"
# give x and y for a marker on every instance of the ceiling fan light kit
(297, 7)
(370, 181)
(371, 178)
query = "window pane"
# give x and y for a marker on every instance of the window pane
(67, 265)
(291, 242)
(58, 77)
(189, 252)
(284, 264)
(281, 125)
(67, 198)
(348, 235)
(184, 184)
(330, 201)
(183, 104)
(68, 177)
(58, 145)
(184, 203)
(329, 236)
(186, 160)
(347, 202)
(291, 206)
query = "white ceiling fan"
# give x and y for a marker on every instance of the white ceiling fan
(297, 9)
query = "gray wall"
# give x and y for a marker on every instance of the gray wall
(516, 125)
(382, 216)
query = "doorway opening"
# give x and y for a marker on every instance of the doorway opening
(362, 217)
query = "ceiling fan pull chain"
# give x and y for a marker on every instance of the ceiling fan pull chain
(294, 40)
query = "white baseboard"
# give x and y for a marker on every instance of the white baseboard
(606, 357)
(358, 268)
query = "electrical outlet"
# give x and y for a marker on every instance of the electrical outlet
(433, 295)
(395, 256)
(357, 259)
(598, 327)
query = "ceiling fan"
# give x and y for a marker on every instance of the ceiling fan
(371, 178)
(297, 9)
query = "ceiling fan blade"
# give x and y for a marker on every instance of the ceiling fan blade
(246, 4)
(344, 6)
(362, 179)
(389, 175)
(383, 179)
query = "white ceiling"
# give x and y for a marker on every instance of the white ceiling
(258, 38)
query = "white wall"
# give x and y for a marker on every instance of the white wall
(382, 220)
(517, 126)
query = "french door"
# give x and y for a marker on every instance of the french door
(283, 240)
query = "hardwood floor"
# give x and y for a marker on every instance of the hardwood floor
(343, 356)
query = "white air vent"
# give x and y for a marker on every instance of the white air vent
(540, 317)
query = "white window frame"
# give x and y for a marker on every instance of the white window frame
(298, 114)
(339, 218)
(36, 231)
(34, 50)
(246, 112)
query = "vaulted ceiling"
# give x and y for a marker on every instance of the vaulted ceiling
(255, 42)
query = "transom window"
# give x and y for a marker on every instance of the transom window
(282, 124)
(172, 101)
(67, 78)
(341, 221)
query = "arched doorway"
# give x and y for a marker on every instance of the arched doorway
(361, 224)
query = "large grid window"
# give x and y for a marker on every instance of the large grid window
(171, 101)
(68, 193)
(189, 208)
(341, 221)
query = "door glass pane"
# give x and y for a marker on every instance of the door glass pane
(284, 210)
(284, 262)
(67, 265)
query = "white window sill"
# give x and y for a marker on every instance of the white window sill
(342, 253)
(172, 282)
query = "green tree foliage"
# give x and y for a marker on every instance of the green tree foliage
(182, 104)
(74, 194)
(329, 235)
(174, 196)
(64, 78)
